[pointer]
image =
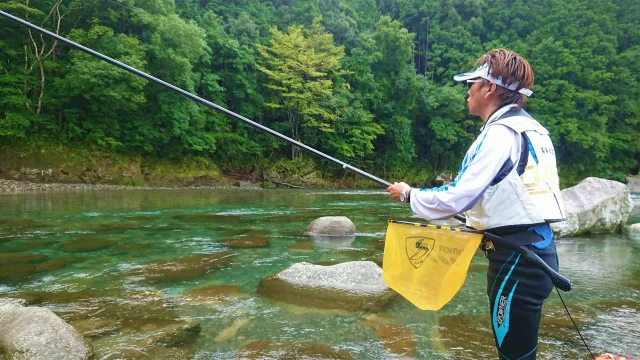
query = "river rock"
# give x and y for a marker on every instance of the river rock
(185, 268)
(332, 226)
(633, 231)
(352, 286)
(594, 206)
(633, 182)
(37, 333)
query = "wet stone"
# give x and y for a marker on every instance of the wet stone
(175, 334)
(354, 286)
(31, 244)
(397, 339)
(232, 331)
(186, 268)
(215, 294)
(332, 226)
(95, 327)
(10, 259)
(457, 333)
(87, 243)
(304, 246)
(17, 272)
(263, 349)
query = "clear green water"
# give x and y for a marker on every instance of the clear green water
(80, 255)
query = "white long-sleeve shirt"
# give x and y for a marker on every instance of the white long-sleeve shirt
(481, 164)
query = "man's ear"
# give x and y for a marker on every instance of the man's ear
(491, 90)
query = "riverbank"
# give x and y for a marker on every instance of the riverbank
(24, 187)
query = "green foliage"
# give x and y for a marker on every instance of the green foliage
(366, 81)
(300, 65)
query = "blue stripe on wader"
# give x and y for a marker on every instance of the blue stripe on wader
(501, 330)
(493, 286)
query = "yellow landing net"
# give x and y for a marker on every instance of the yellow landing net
(427, 264)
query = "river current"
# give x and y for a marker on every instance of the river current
(83, 255)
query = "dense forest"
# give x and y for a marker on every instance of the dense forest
(366, 81)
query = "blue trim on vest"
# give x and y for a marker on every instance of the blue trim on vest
(532, 152)
(465, 164)
(502, 330)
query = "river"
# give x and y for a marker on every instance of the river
(81, 254)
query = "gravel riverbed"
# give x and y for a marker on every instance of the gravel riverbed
(21, 187)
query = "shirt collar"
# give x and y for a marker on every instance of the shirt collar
(497, 114)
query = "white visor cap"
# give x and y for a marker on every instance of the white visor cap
(482, 71)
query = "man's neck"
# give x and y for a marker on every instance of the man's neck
(488, 111)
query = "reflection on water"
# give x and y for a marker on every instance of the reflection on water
(173, 274)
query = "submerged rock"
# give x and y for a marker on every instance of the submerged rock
(37, 333)
(633, 231)
(304, 246)
(86, 244)
(190, 267)
(263, 349)
(177, 333)
(457, 334)
(214, 294)
(352, 286)
(10, 259)
(399, 340)
(16, 272)
(594, 206)
(332, 226)
(231, 331)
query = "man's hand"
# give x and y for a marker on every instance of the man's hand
(396, 189)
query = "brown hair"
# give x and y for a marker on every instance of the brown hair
(512, 69)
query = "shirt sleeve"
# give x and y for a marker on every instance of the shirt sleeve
(482, 163)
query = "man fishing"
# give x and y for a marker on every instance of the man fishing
(508, 185)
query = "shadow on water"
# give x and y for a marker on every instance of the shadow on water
(173, 275)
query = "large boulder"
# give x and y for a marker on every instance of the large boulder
(332, 226)
(633, 182)
(594, 206)
(34, 333)
(352, 286)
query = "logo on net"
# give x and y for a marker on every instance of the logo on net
(418, 249)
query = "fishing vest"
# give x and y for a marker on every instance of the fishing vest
(528, 192)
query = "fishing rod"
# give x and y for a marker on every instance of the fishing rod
(558, 280)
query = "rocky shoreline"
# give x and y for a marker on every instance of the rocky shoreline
(25, 187)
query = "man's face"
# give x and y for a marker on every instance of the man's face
(476, 96)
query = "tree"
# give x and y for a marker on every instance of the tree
(299, 66)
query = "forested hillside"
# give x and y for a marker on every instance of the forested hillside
(366, 81)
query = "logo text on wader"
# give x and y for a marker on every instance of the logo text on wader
(502, 305)
(418, 249)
